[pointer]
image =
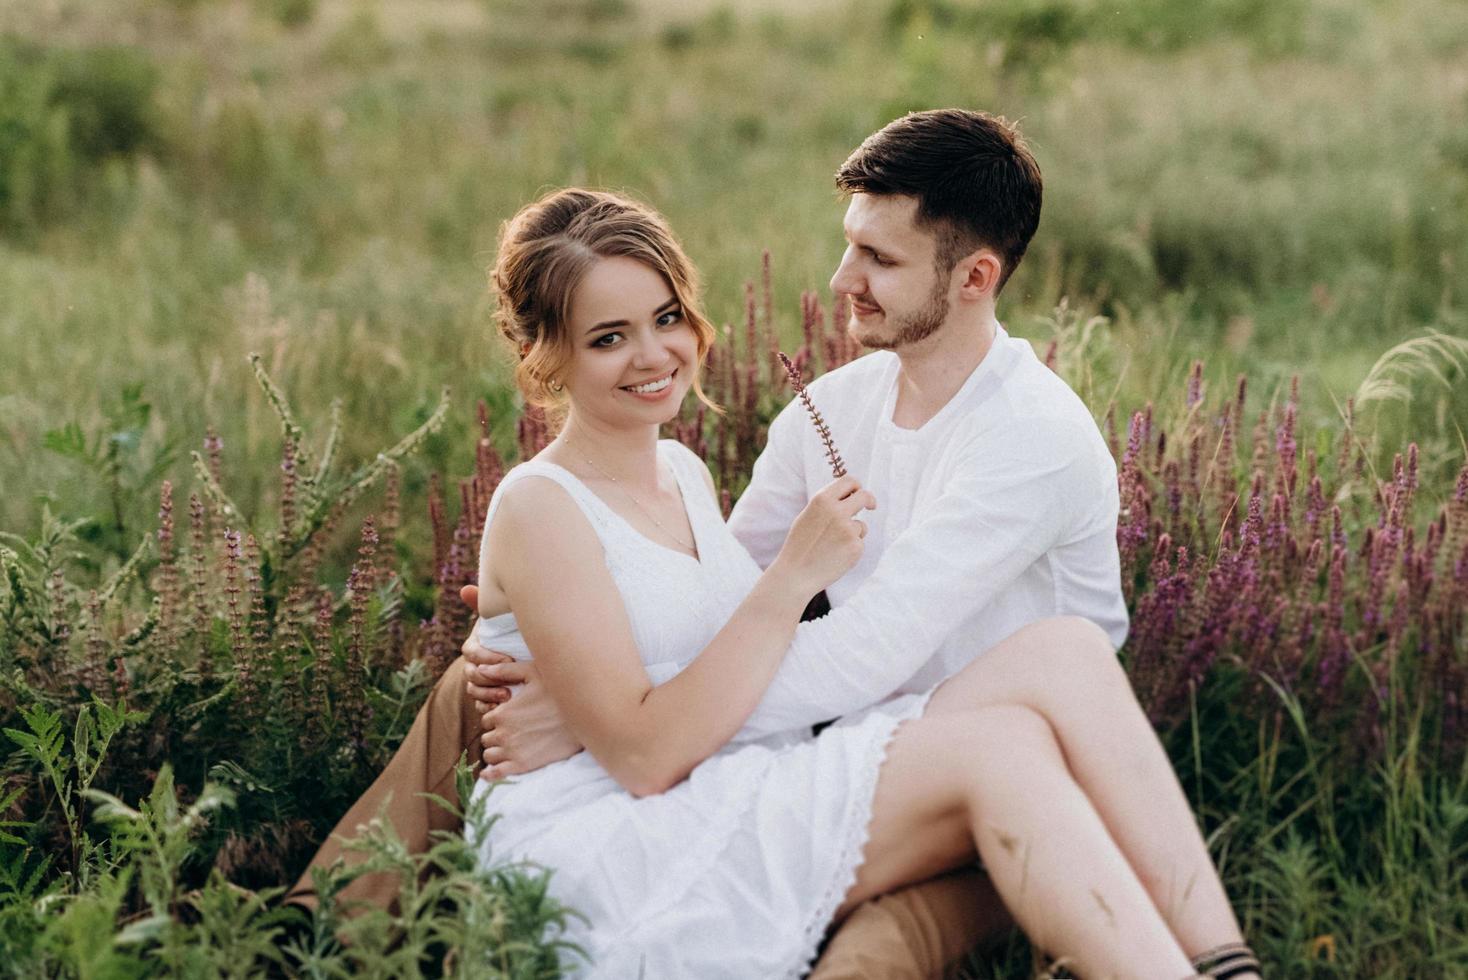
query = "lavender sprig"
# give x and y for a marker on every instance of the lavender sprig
(838, 467)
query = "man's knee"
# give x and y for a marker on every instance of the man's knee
(454, 677)
(449, 698)
(873, 943)
(448, 717)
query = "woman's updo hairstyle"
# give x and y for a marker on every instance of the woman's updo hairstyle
(545, 251)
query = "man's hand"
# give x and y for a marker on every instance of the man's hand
(482, 694)
(523, 733)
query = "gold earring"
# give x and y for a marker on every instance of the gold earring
(556, 386)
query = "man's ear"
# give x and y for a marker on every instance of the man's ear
(983, 269)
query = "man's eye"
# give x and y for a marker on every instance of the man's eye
(669, 318)
(882, 261)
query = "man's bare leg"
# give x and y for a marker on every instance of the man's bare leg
(447, 725)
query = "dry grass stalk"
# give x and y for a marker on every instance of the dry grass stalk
(838, 466)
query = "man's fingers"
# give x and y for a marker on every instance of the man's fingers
(476, 654)
(486, 693)
(503, 674)
(504, 769)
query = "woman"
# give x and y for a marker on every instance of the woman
(693, 852)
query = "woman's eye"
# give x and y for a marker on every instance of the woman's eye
(669, 318)
(604, 339)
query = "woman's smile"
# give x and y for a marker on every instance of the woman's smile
(654, 390)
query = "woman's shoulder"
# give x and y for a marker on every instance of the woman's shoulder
(537, 492)
(539, 514)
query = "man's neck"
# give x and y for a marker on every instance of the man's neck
(933, 370)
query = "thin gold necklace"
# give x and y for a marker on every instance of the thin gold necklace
(637, 503)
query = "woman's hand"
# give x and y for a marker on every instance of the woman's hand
(826, 539)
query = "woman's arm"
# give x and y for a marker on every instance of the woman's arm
(549, 562)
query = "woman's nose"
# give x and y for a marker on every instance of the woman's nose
(651, 350)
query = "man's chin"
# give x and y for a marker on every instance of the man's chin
(870, 339)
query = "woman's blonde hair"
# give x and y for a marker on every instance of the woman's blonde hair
(545, 251)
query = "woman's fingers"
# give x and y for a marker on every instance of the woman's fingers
(859, 501)
(845, 497)
(840, 488)
(848, 490)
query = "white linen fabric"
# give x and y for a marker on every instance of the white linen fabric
(737, 871)
(999, 511)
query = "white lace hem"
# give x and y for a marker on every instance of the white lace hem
(858, 832)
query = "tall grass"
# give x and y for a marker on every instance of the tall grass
(1304, 657)
(328, 194)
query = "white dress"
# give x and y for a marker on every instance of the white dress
(737, 871)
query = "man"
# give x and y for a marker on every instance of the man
(998, 500)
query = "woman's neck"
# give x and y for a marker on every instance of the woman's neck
(629, 456)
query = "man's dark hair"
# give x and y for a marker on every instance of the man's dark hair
(975, 181)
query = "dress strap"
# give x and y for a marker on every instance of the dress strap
(591, 505)
(691, 473)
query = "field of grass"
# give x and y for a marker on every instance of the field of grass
(1275, 189)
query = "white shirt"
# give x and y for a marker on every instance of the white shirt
(999, 511)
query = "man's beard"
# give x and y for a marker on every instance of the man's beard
(916, 326)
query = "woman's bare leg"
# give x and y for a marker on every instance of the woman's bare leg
(994, 778)
(1065, 669)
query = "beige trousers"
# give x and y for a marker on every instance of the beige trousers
(918, 933)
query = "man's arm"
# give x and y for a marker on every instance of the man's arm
(1014, 496)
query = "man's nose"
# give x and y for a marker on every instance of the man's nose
(845, 279)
